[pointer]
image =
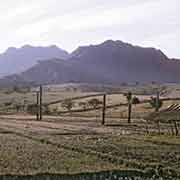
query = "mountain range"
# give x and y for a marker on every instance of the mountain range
(16, 60)
(111, 62)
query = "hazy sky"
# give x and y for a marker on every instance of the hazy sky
(70, 23)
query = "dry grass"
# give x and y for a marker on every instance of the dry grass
(78, 143)
(73, 146)
(19, 155)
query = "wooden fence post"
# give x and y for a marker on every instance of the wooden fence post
(159, 128)
(147, 129)
(157, 101)
(129, 98)
(104, 109)
(37, 102)
(40, 103)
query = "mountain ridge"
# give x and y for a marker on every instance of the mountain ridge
(16, 60)
(111, 62)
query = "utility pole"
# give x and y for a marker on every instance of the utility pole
(157, 101)
(157, 110)
(104, 109)
(37, 102)
(129, 98)
(40, 102)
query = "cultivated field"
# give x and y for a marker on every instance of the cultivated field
(73, 143)
(68, 145)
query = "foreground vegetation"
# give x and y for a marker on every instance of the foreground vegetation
(23, 152)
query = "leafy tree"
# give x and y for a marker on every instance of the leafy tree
(32, 108)
(154, 104)
(128, 97)
(8, 104)
(16, 89)
(135, 100)
(94, 103)
(46, 110)
(55, 110)
(67, 104)
(17, 107)
(8, 91)
(83, 105)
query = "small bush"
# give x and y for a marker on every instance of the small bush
(135, 100)
(94, 103)
(32, 109)
(153, 103)
(8, 104)
(83, 105)
(67, 104)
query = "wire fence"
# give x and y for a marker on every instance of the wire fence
(110, 108)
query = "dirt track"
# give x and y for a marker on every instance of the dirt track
(50, 125)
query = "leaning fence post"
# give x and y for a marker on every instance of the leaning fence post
(104, 109)
(40, 103)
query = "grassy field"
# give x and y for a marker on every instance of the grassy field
(76, 142)
(70, 146)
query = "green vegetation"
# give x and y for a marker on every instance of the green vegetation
(153, 102)
(86, 153)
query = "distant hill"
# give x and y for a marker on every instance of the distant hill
(112, 62)
(16, 60)
(116, 61)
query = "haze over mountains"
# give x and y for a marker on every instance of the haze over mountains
(111, 62)
(16, 60)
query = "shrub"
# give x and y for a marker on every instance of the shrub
(32, 108)
(128, 97)
(67, 104)
(83, 105)
(18, 107)
(94, 103)
(46, 110)
(135, 100)
(153, 103)
(8, 104)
